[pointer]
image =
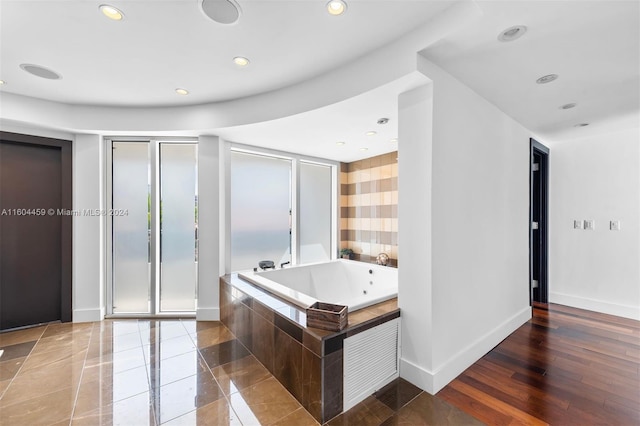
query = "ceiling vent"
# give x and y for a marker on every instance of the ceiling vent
(547, 78)
(39, 71)
(512, 33)
(221, 11)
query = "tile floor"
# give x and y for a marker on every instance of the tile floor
(148, 372)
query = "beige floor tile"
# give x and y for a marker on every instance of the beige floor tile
(165, 371)
(46, 409)
(214, 414)
(194, 327)
(240, 374)
(212, 336)
(185, 395)
(42, 381)
(134, 411)
(21, 336)
(300, 417)
(93, 396)
(41, 359)
(74, 342)
(263, 403)
(67, 328)
(3, 386)
(8, 369)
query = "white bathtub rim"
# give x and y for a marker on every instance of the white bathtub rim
(303, 300)
(292, 296)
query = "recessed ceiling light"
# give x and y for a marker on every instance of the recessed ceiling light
(336, 7)
(512, 33)
(182, 91)
(364, 149)
(221, 11)
(2, 82)
(340, 143)
(111, 12)
(371, 133)
(547, 78)
(40, 71)
(394, 140)
(581, 125)
(568, 106)
(241, 61)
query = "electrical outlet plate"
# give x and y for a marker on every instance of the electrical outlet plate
(589, 224)
(614, 225)
(577, 224)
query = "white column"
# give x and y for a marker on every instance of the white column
(211, 177)
(88, 230)
(414, 234)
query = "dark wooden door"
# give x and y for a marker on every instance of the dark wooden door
(35, 237)
(538, 226)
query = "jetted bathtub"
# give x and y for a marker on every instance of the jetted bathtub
(341, 282)
(370, 356)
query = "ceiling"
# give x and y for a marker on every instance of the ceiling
(594, 47)
(321, 132)
(161, 45)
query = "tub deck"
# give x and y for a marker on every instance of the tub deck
(307, 361)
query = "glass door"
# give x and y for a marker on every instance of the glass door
(131, 188)
(178, 227)
(154, 241)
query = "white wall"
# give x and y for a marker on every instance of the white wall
(479, 232)
(596, 178)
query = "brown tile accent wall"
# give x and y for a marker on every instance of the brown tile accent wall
(369, 207)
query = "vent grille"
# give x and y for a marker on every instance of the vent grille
(370, 361)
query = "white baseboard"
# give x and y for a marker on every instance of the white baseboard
(433, 381)
(88, 315)
(626, 311)
(417, 375)
(208, 314)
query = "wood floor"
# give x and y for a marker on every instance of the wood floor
(566, 366)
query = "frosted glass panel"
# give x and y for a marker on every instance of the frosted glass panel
(131, 263)
(260, 206)
(315, 213)
(177, 227)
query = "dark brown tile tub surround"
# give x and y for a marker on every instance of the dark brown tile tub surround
(369, 207)
(306, 361)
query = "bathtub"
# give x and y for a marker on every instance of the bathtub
(341, 282)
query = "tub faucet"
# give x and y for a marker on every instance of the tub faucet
(284, 263)
(382, 259)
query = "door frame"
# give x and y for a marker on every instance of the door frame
(543, 227)
(66, 245)
(154, 277)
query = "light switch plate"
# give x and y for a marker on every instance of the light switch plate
(614, 225)
(589, 224)
(577, 224)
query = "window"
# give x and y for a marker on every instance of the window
(282, 208)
